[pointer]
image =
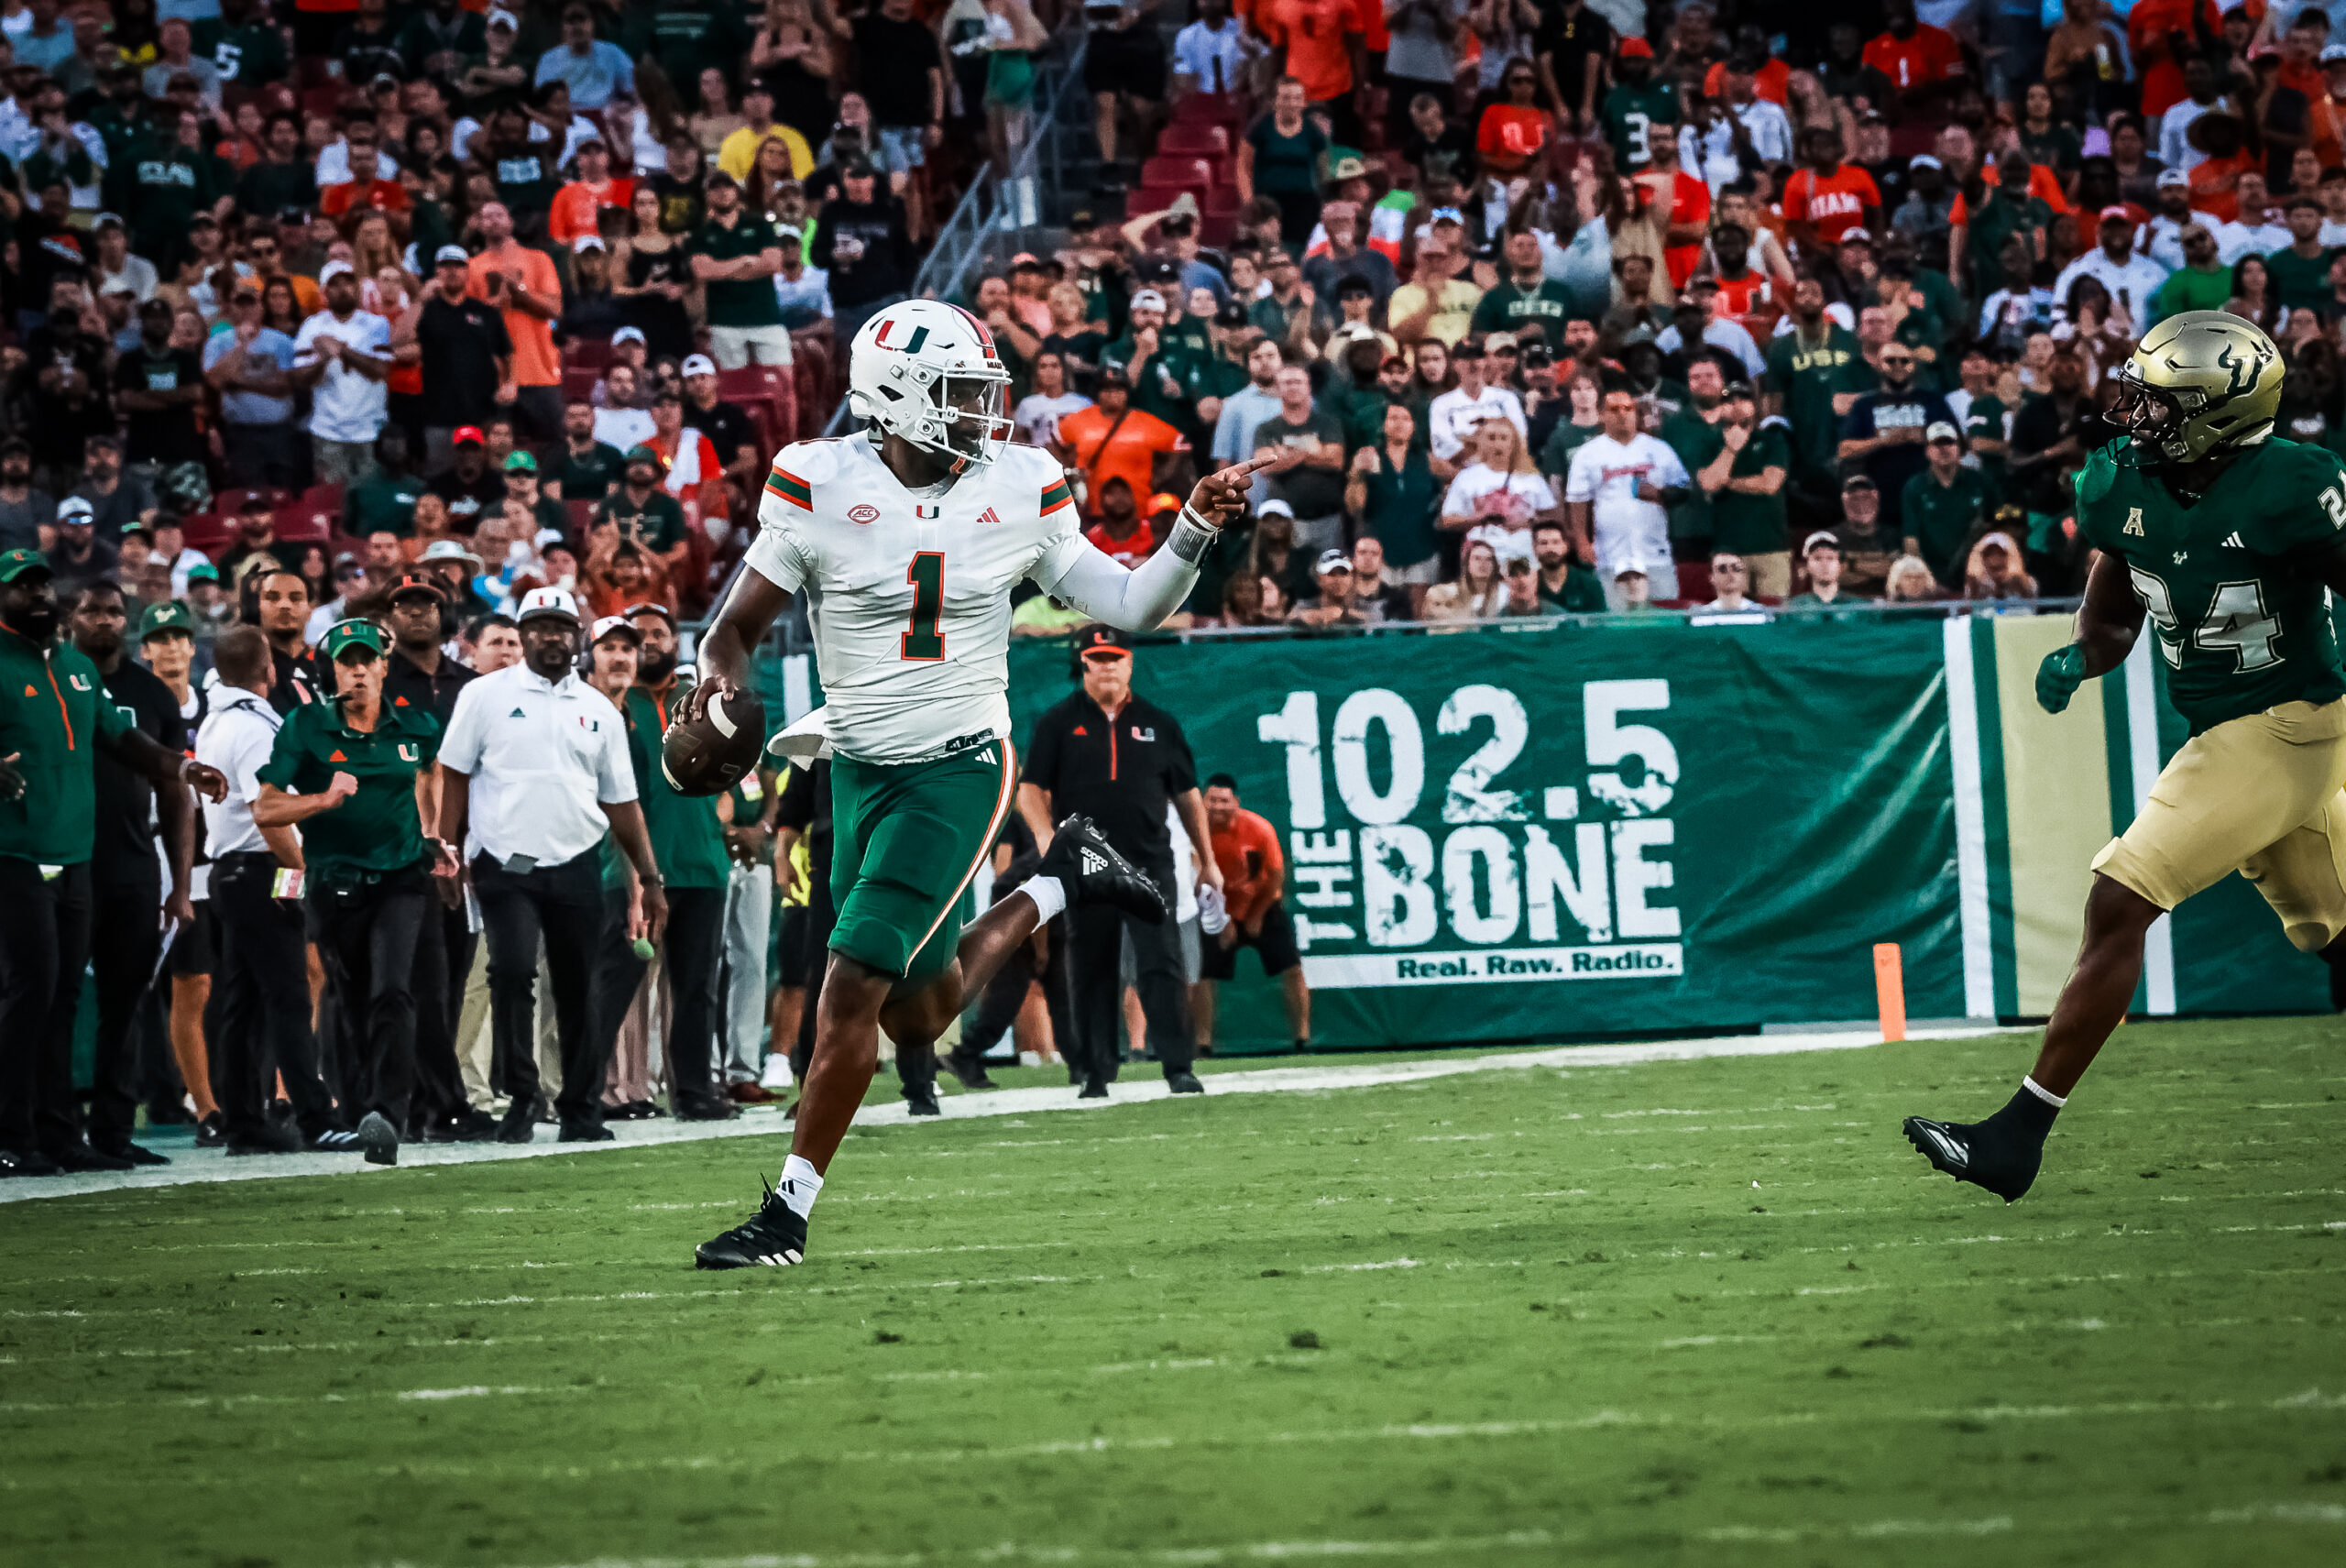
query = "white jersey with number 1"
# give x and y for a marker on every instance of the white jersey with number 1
(909, 590)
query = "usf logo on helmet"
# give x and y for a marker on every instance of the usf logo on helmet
(929, 372)
(2198, 383)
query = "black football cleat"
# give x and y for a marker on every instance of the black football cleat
(1184, 1083)
(135, 1153)
(920, 1099)
(1094, 1088)
(27, 1162)
(378, 1139)
(78, 1158)
(970, 1070)
(1094, 873)
(586, 1133)
(774, 1237)
(519, 1124)
(2001, 1159)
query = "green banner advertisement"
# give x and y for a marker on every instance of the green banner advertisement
(1578, 829)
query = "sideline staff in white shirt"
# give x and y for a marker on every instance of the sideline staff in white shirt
(544, 757)
(263, 962)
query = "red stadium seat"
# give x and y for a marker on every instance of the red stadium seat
(587, 353)
(582, 512)
(1694, 581)
(770, 396)
(301, 524)
(230, 504)
(1212, 109)
(1184, 173)
(1194, 140)
(578, 384)
(324, 498)
(207, 531)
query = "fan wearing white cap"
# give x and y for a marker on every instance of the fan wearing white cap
(535, 764)
(2131, 277)
(342, 356)
(907, 539)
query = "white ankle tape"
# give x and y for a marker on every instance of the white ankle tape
(2056, 1101)
(800, 1185)
(1048, 892)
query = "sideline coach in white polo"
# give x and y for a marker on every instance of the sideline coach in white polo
(540, 758)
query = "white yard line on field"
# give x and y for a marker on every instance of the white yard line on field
(192, 1165)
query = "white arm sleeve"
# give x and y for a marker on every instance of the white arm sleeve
(1134, 601)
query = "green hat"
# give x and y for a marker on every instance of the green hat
(14, 564)
(342, 634)
(203, 571)
(170, 615)
(521, 463)
(643, 454)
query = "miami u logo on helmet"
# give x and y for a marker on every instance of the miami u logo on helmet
(910, 346)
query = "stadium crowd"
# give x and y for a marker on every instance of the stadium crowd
(340, 335)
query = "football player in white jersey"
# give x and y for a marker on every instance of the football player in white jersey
(906, 539)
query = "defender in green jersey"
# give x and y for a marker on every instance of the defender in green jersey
(2225, 540)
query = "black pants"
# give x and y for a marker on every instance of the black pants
(443, 962)
(266, 456)
(563, 905)
(367, 939)
(1095, 986)
(1005, 994)
(128, 909)
(262, 984)
(694, 953)
(822, 917)
(44, 946)
(618, 975)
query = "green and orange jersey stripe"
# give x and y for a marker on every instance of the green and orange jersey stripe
(790, 488)
(1055, 496)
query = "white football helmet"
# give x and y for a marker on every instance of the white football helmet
(928, 372)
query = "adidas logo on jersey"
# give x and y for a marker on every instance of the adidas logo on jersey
(2233, 542)
(1094, 863)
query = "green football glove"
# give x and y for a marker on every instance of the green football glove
(2058, 678)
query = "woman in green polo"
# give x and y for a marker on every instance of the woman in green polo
(353, 772)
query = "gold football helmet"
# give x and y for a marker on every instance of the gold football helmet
(2198, 382)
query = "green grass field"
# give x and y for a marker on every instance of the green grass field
(1709, 1312)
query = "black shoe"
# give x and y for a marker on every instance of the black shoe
(471, 1126)
(378, 1139)
(920, 1099)
(212, 1133)
(544, 1113)
(774, 1236)
(705, 1110)
(432, 1129)
(334, 1140)
(1094, 1088)
(587, 1133)
(78, 1158)
(169, 1113)
(274, 1138)
(1184, 1083)
(2001, 1159)
(26, 1162)
(1093, 872)
(137, 1154)
(970, 1070)
(520, 1125)
(635, 1110)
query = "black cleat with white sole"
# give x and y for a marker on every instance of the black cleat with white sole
(2002, 1159)
(775, 1237)
(1091, 870)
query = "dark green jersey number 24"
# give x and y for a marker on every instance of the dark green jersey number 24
(926, 575)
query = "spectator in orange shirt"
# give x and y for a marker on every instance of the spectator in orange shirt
(1253, 878)
(366, 187)
(525, 288)
(1827, 198)
(1317, 37)
(1122, 534)
(1687, 223)
(576, 205)
(1114, 440)
(2161, 34)
(1922, 62)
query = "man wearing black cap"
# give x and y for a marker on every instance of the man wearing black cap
(127, 885)
(464, 347)
(49, 826)
(861, 241)
(1120, 761)
(419, 678)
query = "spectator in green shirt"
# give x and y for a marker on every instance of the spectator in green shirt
(2201, 283)
(1394, 492)
(353, 772)
(1943, 504)
(2300, 272)
(734, 256)
(1747, 500)
(1825, 597)
(644, 512)
(1562, 585)
(384, 501)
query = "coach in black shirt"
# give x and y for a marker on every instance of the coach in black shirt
(127, 884)
(419, 676)
(1120, 761)
(465, 350)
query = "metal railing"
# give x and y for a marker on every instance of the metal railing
(996, 206)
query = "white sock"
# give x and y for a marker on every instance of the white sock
(799, 1185)
(1049, 893)
(2056, 1101)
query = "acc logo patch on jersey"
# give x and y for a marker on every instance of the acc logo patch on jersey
(864, 513)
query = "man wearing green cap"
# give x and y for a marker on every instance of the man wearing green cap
(54, 721)
(353, 772)
(645, 513)
(521, 485)
(126, 883)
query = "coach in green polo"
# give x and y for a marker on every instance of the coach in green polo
(54, 719)
(353, 772)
